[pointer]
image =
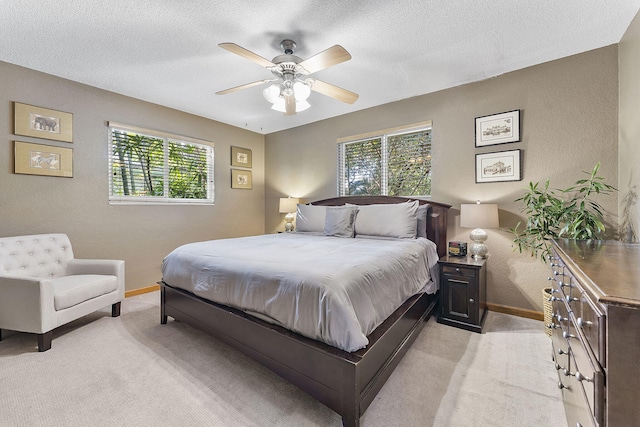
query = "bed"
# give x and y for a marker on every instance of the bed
(345, 381)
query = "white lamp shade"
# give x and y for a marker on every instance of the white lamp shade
(479, 215)
(288, 204)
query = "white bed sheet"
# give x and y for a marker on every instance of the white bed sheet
(335, 290)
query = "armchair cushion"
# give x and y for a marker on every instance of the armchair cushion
(72, 290)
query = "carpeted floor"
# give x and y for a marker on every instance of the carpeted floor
(104, 371)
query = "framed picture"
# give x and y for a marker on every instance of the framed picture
(241, 179)
(38, 159)
(240, 157)
(499, 166)
(498, 128)
(43, 123)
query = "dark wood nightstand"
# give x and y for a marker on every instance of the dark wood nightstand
(463, 292)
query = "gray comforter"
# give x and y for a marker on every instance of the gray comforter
(335, 290)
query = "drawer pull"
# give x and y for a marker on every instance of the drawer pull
(471, 300)
(582, 323)
(567, 335)
(457, 270)
(570, 299)
(581, 377)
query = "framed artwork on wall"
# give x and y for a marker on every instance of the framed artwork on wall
(500, 166)
(241, 178)
(240, 157)
(41, 122)
(498, 128)
(38, 159)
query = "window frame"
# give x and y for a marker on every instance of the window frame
(383, 135)
(167, 138)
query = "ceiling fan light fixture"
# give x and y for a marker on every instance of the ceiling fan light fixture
(271, 93)
(301, 91)
(302, 105)
(279, 105)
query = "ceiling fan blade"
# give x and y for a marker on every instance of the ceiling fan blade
(325, 59)
(245, 86)
(334, 91)
(239, 50)
(290, 105)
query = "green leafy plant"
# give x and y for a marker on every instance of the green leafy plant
(552, 214)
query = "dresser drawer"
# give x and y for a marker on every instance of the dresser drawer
(591, 322)
(589, 378)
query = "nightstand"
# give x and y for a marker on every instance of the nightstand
(463, 292)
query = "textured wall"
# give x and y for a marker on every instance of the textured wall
(629, 180)
(78, 206)
(569, 122)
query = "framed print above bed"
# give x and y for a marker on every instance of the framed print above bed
(498, 128)
(500, 166)
(42, 123)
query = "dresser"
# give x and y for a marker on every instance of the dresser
(596, 331)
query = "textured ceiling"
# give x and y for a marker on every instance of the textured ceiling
(165, 51)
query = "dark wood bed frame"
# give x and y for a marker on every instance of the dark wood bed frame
(345, 382)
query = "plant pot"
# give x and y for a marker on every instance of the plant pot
(548, 310)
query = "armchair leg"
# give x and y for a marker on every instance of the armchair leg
(44, 341)
(115, 309)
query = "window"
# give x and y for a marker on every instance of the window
(154, 167)
(393, 163)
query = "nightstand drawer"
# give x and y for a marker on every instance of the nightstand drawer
(459, 271)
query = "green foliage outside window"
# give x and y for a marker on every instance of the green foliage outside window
(394, 165)
(149, 166)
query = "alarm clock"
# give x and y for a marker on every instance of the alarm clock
(458, 248)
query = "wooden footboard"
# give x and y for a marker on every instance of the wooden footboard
(345, 382)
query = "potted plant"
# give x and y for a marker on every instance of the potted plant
(551, 214)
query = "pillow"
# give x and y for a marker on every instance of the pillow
(310, 218)
(388, 220)
(421, 223)
(340, 221)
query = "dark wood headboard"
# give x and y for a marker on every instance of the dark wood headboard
(436, 214)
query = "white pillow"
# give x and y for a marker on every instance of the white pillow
(388, 220)
(310, 218)
(340, 221)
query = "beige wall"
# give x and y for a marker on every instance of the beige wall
(629, 134)
(569, 122)
(78, 206)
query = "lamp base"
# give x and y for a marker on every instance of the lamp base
(478, 249)
(289, 225)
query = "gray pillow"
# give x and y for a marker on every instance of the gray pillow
(421, 216)
(310, 218)
(340, 221)
(388, 220)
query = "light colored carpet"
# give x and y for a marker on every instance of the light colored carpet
(104, 371)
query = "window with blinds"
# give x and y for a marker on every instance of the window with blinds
(154, 167)
(393, 164)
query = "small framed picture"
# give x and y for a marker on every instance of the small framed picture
(499, 166)
(41, 122)
(241, 178)
(240, 157)
(38, 159)
(498, 128)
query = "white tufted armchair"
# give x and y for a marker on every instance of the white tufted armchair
(42, 286)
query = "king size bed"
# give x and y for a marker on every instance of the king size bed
(331, 308)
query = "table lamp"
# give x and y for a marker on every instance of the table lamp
(478, 216)
(288, 205)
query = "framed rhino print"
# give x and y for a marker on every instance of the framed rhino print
(44, 123)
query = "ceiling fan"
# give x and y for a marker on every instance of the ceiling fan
(292, 85)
